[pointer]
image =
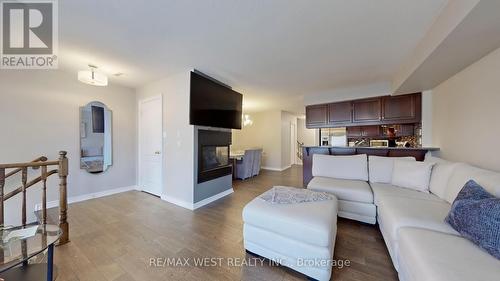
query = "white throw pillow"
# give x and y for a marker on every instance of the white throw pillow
(412, 174)
(380, 168)
(349, 167)
(441, 173)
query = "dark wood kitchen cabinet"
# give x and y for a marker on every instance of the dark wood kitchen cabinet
(385, 110)
(371, 131)
(340, 113)
(402, 130)
(317, 116)
(363, 131)
(403, 108)
(354, 132)
(366, 110)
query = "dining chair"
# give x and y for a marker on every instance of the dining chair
(244, 167)
(257, 159)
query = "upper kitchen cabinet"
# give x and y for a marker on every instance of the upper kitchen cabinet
(363, 131)
(404, 108)
(340, 113)
(366, 110)
(354, 132)
(386, 110)
(317, 116)
(400, 130)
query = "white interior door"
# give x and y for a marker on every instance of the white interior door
(150, 145)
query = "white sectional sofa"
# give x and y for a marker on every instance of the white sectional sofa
(347, 178)
(422, 246)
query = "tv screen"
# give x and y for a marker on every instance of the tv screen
(213, 104)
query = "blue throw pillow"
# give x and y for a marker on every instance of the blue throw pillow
(475, 214)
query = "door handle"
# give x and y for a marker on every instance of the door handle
(157, 152)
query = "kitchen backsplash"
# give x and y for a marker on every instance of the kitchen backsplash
(365, 142)
(412, 140)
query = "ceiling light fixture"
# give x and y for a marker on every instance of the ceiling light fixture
(93, 77)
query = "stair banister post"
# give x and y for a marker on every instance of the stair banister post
(2, 184)
(24, 179)
(63, 197)
(44, 194)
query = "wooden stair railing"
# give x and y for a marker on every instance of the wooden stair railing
(42, 164)
(300, 146)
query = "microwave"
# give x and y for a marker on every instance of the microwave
(379, 143)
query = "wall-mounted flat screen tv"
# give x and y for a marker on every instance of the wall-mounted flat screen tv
(213, 104)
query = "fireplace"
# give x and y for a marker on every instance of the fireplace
(213, 154)
(214, 157)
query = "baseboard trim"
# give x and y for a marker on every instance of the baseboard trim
(184, 204)
(191, 206)
(212, 198)
(177, 202)
(85, 197)
(276, 169)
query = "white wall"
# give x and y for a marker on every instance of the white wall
(309, 137)
(265, 133)
(271, 132)
(466, 114)
(427, 118)
(178, 144)
(287, 119)
(40, 116)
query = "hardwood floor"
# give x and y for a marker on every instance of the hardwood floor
(114, 238)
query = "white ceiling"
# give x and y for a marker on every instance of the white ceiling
(274, 52)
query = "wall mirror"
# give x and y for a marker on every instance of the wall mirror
(95, 137)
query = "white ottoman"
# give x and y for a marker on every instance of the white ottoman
(300, 236)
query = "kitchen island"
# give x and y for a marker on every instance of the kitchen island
(309, 151)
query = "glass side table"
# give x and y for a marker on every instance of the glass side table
(15, 253)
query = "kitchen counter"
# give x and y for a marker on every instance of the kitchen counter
(309, 151)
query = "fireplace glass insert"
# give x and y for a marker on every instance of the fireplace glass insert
(214, 157)
(213, 154)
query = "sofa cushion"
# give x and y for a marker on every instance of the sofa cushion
(398, 212)
(381, 190)
(350, 190)
(462, 173)
(476, 215)
(351, 167)
(441, 173)
(358, 211)
(380, 168)
(433, 256)
(311, 222)
(412, 174)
